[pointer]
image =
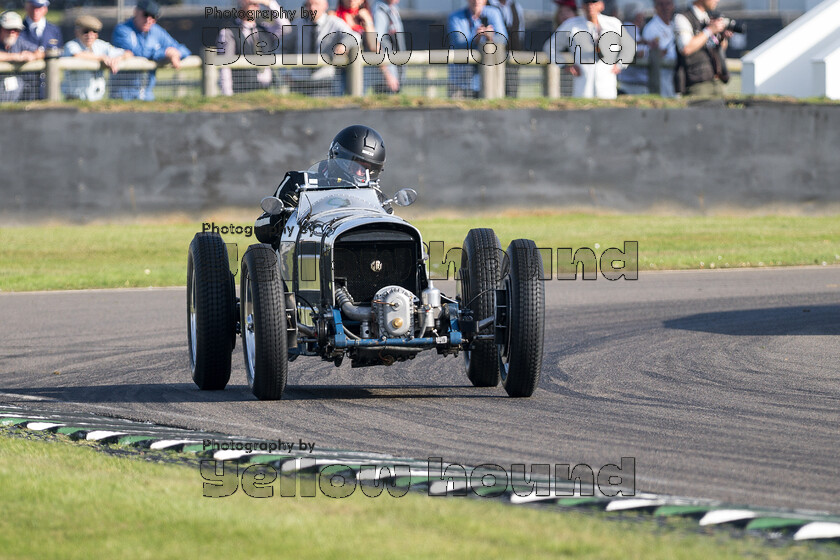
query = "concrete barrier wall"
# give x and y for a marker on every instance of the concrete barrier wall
(80, 165)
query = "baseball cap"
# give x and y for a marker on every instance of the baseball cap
(39, 3)
(11, 20)
(150, 7)
(89, 22)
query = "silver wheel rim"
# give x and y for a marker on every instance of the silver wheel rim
(193, 343)
(462, 297)
(504, 366)
(250, 349)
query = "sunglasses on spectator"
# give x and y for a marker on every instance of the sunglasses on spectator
(86, 31)
(13, 30)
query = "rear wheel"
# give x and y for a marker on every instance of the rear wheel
(523, 320)
(211, 311)
(263, 320)
(481, 262)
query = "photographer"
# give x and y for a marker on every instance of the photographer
(477, 23)
(701, 43)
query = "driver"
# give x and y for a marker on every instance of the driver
(357, 143)
(363, 145)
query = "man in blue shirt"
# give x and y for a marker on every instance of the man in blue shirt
(144, 37)
(476, 20)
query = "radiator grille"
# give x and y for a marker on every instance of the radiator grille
(365, 267)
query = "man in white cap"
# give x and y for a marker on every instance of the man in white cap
(13, 48)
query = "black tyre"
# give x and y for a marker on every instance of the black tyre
(520, 357)
(211, 311)
(481, 262)
(263, 320)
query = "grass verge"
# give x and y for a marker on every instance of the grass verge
(140, 255)
(62, 500)
(273, 102)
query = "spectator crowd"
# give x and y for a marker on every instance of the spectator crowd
(690, 47)
(30, 38)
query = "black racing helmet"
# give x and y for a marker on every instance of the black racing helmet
(361, 144)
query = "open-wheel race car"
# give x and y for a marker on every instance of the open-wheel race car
(340, 277)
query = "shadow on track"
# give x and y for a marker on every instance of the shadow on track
(802, 320)
(134, 392)
(188, 392)
(356, 392)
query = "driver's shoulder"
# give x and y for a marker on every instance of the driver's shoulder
(294, 177)
(291, 180)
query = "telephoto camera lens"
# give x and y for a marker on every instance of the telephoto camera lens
(730, 24)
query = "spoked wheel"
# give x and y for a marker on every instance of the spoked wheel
(263, 320)
(211, 311)
(481, 261)
(520, 320)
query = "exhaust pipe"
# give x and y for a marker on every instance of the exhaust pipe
(350, 309)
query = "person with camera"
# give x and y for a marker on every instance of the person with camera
(472, 26)
(701, 37)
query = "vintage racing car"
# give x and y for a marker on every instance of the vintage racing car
(339, 276)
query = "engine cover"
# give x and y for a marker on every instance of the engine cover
(393, 308)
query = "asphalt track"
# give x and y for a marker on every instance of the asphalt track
(722, 384)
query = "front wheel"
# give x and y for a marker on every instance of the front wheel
(263, 320)
(211, 311)
(481, 262)
(522, 317)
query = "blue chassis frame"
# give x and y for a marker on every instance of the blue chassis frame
(454, 338)
(343, 341)
(454, 335)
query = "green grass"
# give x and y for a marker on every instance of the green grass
(274, 102)
(140, 255)
(670, 242)
(69, 501)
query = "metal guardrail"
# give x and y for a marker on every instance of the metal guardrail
(53, 66)
(491, 67)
